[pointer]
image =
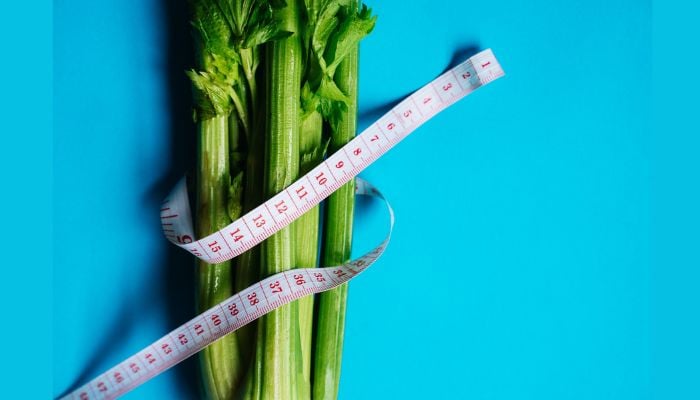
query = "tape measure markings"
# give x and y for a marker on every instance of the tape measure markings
(324, 179)
(277, 212)
(223, 318)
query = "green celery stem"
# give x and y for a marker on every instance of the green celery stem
(248, 264)
(279, 329)
(337, 243)
(219, 362)
(306, 251)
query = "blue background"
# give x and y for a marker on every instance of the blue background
(547, 177)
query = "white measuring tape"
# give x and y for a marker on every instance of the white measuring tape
(275, 214)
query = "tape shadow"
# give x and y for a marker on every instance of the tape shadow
(372, 114)
(93, 367)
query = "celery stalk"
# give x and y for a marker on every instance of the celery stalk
(306, 230)
(337, 243)
(220, 363)
(279, 329)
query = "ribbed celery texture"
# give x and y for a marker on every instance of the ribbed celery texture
(279, 329)
(275, 88)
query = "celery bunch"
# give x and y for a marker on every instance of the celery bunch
(275, 88)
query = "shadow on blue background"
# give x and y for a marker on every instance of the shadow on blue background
(176, 276)
(538, 184)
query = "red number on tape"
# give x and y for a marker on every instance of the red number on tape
(321, 179)
(134, 368)
(150, 358)
(359, 263)
(182, 338)
(275, 286)
(281, 207)
(253, 297)
(236, 235)
(299, 278)
(214, 246)
(196, 252)
(339, 273)
(259, 221)
(184, 239)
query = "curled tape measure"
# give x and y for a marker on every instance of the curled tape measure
(275, 214)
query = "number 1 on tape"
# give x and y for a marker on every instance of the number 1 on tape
(275, 214)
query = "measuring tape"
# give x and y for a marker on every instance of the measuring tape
(273, 215)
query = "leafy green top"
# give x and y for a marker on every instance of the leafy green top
(229, 33)
(334, 29)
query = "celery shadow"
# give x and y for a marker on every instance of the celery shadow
(177, 272)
